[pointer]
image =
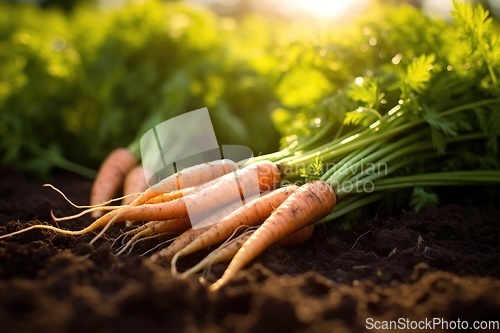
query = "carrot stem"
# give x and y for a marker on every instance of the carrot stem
(63, 163)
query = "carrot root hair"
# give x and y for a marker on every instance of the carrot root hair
(224, 252)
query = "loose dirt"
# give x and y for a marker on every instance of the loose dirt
(441, 263)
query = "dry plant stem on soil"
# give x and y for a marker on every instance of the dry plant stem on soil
(306, 205)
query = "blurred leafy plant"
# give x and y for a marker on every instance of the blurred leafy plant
(74, 86)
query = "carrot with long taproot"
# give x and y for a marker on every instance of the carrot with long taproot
(209, 198)
(135, 182)
(306, 205)
(190, 177)
(253, 213)
(103, 220)
(173, 187)
(195, 177)
(165, 255)
(110, 177)
(155, 227)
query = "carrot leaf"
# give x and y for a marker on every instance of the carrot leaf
(421, 197)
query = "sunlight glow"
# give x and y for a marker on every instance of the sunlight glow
(327, 8)
(318, 9)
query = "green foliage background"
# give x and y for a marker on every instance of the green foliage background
(79, 83)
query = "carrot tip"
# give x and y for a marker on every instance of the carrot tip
(216, 286)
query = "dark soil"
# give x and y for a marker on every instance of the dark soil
(442, 263)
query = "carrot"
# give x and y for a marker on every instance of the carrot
(114, 215)
(212, 197)
(103, 221)
(206, 174)
(88, 209)
(189, 177)
(179, 184)
(306, 205)
(171, 226)
(163, 197)
(228, 250)
(224, 253)
(135, 183)
(110, 176)
(298, 237)
(253, 213)
(166, 254)
(157, 228)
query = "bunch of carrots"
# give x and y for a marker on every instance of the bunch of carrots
(281, 214)
(358, 156)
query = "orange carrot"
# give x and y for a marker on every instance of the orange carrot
(209, 198)
(157, 228)
(189, 177)
(135, 183)
(107, 218)
(228, 250)
(174, 226)
(166, 254)
(162, 198)
(224, 253)
(110, 177)
(253, 213)
(306, 205)
(100, 222)
(165, 197)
